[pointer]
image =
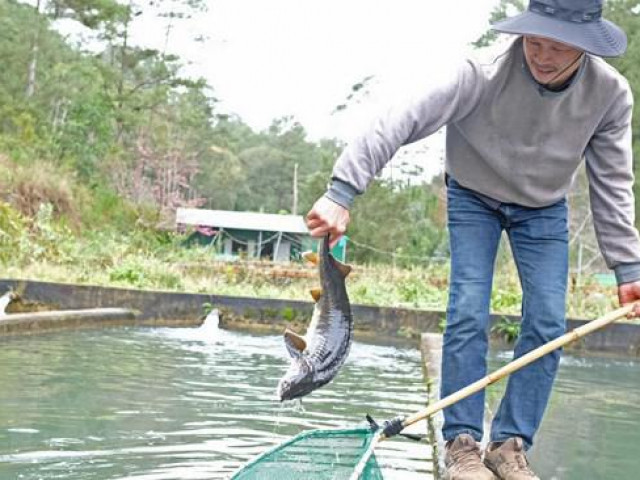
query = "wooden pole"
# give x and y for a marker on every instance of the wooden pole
(294, 208)
(277, 247)
(33, 63)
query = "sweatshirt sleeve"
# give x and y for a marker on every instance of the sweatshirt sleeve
(445, 101)
(610, 173)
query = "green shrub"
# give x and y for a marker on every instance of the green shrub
(288, 314)
(12, 227)
(128, 274)
(506, 300)
(509, 330)
(442, 324)
(207, 308)
(107, 209)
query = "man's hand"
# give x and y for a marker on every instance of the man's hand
(327, 216)
(630, 292)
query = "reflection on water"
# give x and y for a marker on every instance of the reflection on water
(592, 424)
(181, 403)
(592, 427)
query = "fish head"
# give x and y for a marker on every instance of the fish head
(298, 381)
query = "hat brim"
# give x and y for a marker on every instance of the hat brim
(600, 37)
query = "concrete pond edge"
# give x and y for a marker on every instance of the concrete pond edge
(174, 309)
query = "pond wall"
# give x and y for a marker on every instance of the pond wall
(158, 308)
(40, 322)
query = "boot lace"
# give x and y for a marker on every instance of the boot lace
(518, 464)
(466, 459)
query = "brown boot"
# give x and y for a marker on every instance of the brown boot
(463, 460)
(508, 461)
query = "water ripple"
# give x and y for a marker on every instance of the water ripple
(159, 404)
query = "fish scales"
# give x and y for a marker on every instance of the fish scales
(317, 358)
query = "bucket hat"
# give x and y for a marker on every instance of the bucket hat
(578, 23)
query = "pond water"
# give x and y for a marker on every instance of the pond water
(156, 404)
(592, 426)
(159, 404)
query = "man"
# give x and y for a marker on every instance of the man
(517, 130)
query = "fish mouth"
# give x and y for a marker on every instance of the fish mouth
(290, 388)
(283, 391)
(288, 391)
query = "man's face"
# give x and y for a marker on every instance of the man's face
(550, 62)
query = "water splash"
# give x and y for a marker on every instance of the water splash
(297, 406)
(294, 406)
(211, 324)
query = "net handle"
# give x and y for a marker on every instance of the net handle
(517, 364)
(359, 468)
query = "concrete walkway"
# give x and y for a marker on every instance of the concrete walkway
(39, 322)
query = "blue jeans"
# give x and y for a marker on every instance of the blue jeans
(539, 243)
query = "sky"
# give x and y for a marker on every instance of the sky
(266, 59)
(272, 58)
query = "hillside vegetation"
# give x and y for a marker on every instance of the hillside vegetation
(98, 149)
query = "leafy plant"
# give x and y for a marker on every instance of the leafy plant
(289, 314)
(12, 226)
(128, 274)
(207, 308)
(508, 329)
(442, 324)
(506, 299)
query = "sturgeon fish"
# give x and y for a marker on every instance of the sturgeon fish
(317, 357)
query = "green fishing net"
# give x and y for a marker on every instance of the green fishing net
(316, 455)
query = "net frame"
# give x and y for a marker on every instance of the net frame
(362, 464)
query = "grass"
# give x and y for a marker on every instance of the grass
(47, 247)
(147, 260)
(54, 229)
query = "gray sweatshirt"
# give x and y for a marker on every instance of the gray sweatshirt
(514, 141)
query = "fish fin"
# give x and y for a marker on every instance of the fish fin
(316, 293)
(293, 351)
(311, 257)
(343, 268)
(295, 343)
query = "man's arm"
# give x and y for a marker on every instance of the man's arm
(441, 102)
(610, 173)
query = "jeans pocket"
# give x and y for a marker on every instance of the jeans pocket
(551, 223)
(462, 201)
